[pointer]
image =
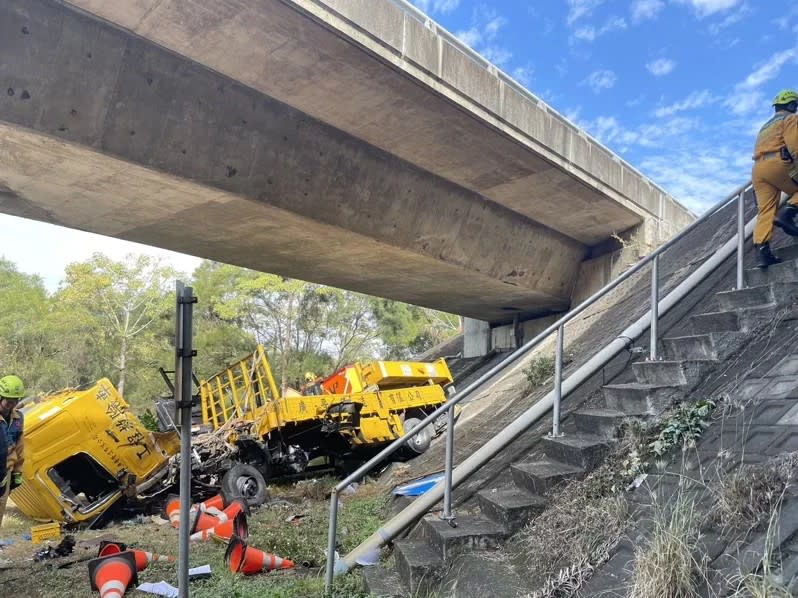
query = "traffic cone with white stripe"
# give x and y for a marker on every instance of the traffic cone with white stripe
(203, 521)
(112, 575)
(173, 510)
(237, 526)
(247, 560)
(214, 502)
(143, 558)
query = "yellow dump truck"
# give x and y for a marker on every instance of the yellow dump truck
(350, 414)
(85, 450)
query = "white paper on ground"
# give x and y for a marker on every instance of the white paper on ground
(161, 588)
(203, 571)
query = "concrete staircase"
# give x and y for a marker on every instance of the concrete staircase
(421, 559)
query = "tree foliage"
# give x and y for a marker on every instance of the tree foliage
(115, 319)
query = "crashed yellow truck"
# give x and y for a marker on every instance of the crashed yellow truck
(86, 451)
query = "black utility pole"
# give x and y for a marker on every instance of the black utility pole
(184, 352)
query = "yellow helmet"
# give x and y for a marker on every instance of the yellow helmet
(11, 387)
(785, 97)
(309, 376)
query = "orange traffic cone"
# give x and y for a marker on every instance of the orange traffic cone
(108, 548)
(112, 575)
(214, 502)
(224, 531)
(247, 560)
(144, 558)
(173, 510)
(203, 521)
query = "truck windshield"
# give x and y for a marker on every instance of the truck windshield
(82, 481)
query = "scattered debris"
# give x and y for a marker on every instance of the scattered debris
(418, 487)
(64, 548)
(295, 518)
(201, 572)
(160, 588)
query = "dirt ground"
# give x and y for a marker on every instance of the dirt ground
(303, 540)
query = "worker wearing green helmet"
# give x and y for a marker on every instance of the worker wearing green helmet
(775, 171)
(11, 426)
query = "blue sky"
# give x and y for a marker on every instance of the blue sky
(678, 88)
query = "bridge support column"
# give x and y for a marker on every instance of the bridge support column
(476, 338)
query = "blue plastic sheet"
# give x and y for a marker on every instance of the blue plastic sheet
(419, 486)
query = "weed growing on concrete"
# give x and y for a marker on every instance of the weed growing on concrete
(559, 551)
(746, 498)
(664, 566)
(767, 582)
(538, 371)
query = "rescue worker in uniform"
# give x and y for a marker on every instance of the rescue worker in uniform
(775, 171)
(11, 426)
(311, 386)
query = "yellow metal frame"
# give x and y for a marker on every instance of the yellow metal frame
(409, 385)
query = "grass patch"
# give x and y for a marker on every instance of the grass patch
(561, 549)
(538, 371)
(302, 541)
(767, 581)
(746, 498)
(664, 566)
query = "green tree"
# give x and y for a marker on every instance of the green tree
(129, 298)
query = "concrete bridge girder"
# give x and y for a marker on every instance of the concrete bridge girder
(109, 133)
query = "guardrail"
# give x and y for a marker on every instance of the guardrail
(558, 328)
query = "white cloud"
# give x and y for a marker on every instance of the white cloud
(697, 99)
(486, 24)
(590, 33)
(580, 8)
(470, 37)
(730, 19)
(600, 80)
(441, 6)
(660, 66)
(704, 8)
(523, 74)
(748, 96)
(643, 10)
(496, 54)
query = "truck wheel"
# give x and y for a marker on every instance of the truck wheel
(244, 481)
(421, 441)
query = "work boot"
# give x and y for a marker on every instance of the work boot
(785, 219)
(764, 256)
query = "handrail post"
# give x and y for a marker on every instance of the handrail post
(555, 425)
(330, 571)
(447, 515)
(654, 307)
(740, 240)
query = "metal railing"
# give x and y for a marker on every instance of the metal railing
(559, 328)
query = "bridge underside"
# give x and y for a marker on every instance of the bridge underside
(107, 131)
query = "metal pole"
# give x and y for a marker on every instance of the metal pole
(447, 488)
(740, 240)
(330, 570)
(654, 306)
(184, 352)
(555, 426)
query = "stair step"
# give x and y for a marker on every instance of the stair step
(511, 507)
(419, 566)
(540, 476)
(580, 450)
(686, 373)
(773, 293)
(601, 422)
(787, 271)
(382, 582)
(472, 533)
(739, 320)
(713, 345)
(638, 399)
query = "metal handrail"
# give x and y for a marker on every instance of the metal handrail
(559, 327)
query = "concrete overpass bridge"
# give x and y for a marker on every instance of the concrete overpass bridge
(347, 142)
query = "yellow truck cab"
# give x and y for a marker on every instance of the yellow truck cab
(84, 449)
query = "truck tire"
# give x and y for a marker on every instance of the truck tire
(419, 444)
(244, 481)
